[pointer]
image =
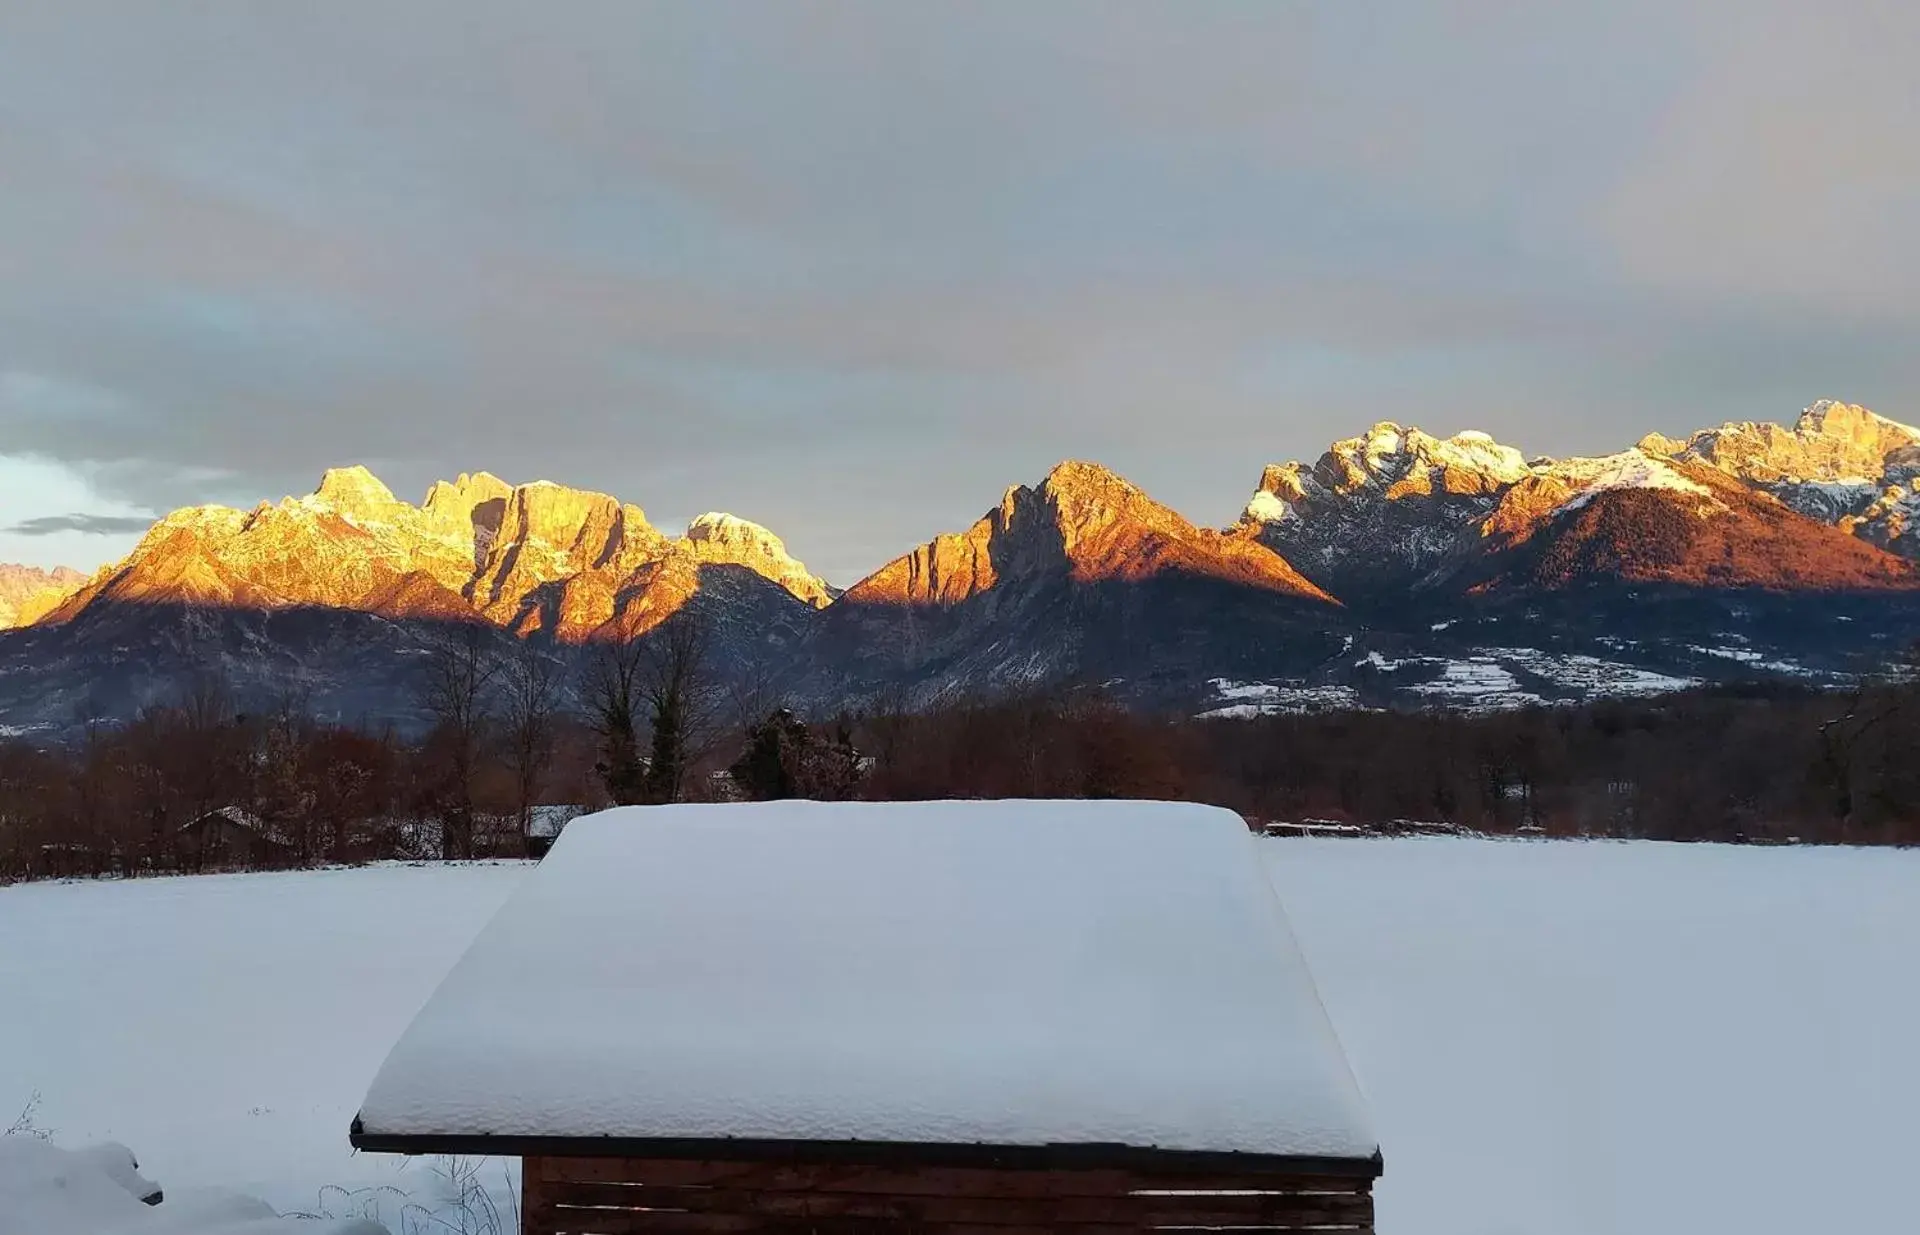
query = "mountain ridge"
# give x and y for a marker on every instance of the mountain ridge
(28, 593)
(537, 556)
(1091, 521)
(1401, 568)
(1397, 509)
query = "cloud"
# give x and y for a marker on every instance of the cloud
(1785, 170)
(85, 524)
(33, 489)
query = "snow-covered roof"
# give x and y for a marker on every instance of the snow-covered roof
(1000, 973)
(239, 816)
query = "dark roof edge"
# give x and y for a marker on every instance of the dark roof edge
(1142, 1158)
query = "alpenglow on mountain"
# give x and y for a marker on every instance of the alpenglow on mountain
(28, 593)
(528, 558)
(1397, 509)
(1400, 569)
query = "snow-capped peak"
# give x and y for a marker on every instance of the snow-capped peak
(720, 527)
(1393, 461)
(1840, 464)
(1630, 469)
(1831, 441)
(723, 539)
(1844, 418)
(354, 491)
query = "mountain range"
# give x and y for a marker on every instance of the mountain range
(1398, 569)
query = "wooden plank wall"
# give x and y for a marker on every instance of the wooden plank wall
(633, 1196)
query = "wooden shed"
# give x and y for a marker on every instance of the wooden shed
(230, 837)
(933, 1017)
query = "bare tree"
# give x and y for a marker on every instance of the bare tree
(530, 697)
(24, 1125)
(752, 694)
(1873, 704)
(460, 672)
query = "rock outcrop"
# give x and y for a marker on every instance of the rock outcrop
(1381, 512)
(726, 540)
(1085, 524)
(1396, 512)
(28, 593)
(1080, 578)
(1839, 463)
(531, 557)
(1636, 518)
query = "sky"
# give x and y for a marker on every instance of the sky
(851, 269)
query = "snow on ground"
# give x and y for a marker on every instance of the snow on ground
(1590, 674)
(1828, 499)
(1555, 1038)
(1623, 1039)
(1477, 682)
(1485, 681)
(1247, 699)
(1630, 469)
(46, 1190)
(225, 1026)
(1227, 688)
(1747, 656)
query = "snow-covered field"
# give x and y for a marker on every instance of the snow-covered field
(1490, 681)
(1245, 699)
(226, 1026)
(1563, 1039)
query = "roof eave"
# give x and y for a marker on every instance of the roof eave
(1055, 1157)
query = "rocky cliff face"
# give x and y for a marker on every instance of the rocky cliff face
(1397, 512)
(724, 540)
(1839, 463)
(350, 545)
(1830, 441)
(1086, 525)
(530, 557)
(28, 593)
(1636, 518)
(1082, 578)
(1381, 512)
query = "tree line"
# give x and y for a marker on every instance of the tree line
(516, 730)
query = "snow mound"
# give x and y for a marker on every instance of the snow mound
(1012, 973)
(46, 1190)
(1264, 507)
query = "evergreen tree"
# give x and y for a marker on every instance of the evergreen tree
(766, 770)
(665, 769)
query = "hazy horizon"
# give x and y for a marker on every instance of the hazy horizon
(850, 269)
